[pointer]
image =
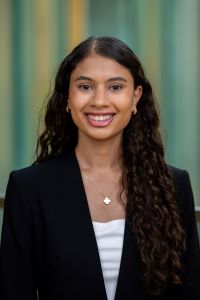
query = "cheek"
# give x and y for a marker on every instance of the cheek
(126, 104)
(74, 94)
(78, 99)
(77, 118)
(76, 102)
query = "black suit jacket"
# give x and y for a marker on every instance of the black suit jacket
(48, 243)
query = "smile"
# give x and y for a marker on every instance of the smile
(99, 120)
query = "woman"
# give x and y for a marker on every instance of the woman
(100, 215)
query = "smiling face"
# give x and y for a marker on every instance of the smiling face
(102, 97)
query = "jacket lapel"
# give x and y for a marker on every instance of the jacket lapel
(129, 283)
(83, 230)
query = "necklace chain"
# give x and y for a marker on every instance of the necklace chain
(107, 200)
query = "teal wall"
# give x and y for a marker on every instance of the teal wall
(35, 35)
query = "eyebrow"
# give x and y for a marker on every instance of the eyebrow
(119, 78)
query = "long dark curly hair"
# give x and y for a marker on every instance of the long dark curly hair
(151, 197)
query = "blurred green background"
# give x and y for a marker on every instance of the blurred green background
(35, 35)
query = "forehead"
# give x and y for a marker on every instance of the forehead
(96, 66)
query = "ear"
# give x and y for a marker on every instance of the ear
(68, 108)
(137, 96)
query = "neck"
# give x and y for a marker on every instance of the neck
(98, 154)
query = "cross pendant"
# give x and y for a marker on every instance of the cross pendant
(106, 200)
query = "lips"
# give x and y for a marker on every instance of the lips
(99, 119)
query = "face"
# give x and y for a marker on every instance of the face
(102, 97)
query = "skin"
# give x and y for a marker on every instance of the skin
(101, 86)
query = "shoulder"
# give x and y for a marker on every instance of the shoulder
(185, 199)
(177, 173)
(45, 172)
(181, 178)
(183, 188)
(42, 185)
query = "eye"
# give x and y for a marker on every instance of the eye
(84, 87)
(116, 87)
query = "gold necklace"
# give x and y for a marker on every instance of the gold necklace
(106, 199)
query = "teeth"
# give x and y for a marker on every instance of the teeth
(99, 118)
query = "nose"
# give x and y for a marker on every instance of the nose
(100, 98)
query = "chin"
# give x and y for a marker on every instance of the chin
(105, 136)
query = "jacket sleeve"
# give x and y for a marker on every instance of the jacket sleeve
(191, 288)
(17, 276)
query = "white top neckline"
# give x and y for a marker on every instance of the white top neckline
(116, 220)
